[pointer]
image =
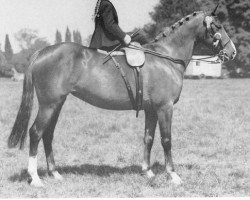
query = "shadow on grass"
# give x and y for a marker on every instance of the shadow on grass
(96, 170)
(24, 175)
(99, 170)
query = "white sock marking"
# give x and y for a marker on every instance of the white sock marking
(150, 174)
(32, 168)
(175, 178)
(144, 166)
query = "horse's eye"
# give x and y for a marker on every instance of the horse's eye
(218, 26)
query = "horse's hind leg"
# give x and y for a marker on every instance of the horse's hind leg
(42, 122)
(47, 142)
(165, 114)
(150, 125)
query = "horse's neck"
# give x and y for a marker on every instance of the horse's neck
(180, 43)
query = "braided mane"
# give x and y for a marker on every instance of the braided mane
(169, 30)
(97, 6)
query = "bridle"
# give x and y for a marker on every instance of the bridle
(210, 31)
(222, 55)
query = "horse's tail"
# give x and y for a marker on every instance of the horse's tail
(19, 131)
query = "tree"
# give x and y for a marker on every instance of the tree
(167, 12)
(5, 68)
(29, 39)
(234, 15)
(30, 42)
(58, 37)
(77, 38)
(5, 64)
(237, 20)
(26, 37)
(67, 35)
(8, 49)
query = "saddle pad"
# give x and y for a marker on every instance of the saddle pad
(135, 57)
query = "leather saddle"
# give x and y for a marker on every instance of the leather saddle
(134, 56)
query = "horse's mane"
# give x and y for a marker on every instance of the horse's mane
(167, 31)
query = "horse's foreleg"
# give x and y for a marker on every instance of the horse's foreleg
(150, 124)
(165, 114)
(47, 142)
(44, 116)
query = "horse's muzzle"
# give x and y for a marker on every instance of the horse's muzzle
(224, 57)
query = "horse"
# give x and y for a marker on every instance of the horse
(70, 68)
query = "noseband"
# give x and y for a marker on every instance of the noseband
(222, 53)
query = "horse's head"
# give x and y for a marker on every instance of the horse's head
(215, 36)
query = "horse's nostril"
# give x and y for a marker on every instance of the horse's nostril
(233, 56)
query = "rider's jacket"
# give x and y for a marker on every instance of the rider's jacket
(107, 32)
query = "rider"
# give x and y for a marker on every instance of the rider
(108, 34)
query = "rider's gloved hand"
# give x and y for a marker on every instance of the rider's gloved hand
(127, 40)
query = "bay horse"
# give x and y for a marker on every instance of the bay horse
(70, 68)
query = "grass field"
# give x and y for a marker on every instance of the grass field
(99, 152)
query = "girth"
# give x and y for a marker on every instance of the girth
(137, 101)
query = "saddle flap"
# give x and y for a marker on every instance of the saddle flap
(135, 57)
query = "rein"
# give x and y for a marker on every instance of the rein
(205, 59)
(175, 60)
(155, 53)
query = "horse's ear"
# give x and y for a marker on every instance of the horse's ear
(208, 20)
(214, 11)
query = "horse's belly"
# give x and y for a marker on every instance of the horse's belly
(104, 87)
(104, 99)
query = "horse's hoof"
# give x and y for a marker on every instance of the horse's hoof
(37, 183)
(176, 179)
(149, 174)
(57, 176)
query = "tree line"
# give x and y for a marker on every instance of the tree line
(77, 38)
(234, 15)
(29, 42)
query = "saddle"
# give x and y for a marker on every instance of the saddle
(135, 59)
(134, 56)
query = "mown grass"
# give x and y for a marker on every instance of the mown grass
(99, 152)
